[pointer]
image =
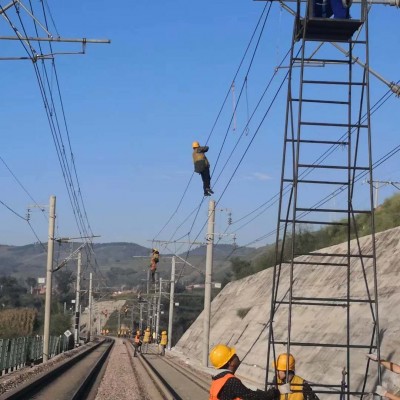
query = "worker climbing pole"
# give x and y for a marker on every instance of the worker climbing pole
(155, 258)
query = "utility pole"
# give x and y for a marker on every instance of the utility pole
(148, 299)
(158, 310)
(171, 303)
(49, 276)
(119, 321)
(378, 184)
(77, 298)
(132, 323)
(90, 305)
(141, 317)
(208, 281)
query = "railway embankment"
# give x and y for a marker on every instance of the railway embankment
(241, 312)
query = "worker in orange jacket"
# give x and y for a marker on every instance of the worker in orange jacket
(225, 385)
(137, 344)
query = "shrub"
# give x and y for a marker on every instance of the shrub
(242, 312)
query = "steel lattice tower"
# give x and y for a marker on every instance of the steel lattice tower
(327, 114)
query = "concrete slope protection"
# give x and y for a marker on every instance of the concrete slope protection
(241, 311)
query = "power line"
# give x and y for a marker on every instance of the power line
(218, 115)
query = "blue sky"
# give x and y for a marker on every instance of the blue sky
(134, 107)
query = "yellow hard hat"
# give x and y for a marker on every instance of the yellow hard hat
(220, 355)
(282, 362)
(147, 329)
(163, 332)
(195, 145)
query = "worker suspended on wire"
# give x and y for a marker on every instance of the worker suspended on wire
(137, 344)
(291, 386)
(380, 390)
(202, 166)
(155, 258)
(163, 342)
(225, 385)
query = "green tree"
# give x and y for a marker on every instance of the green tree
(63, 279)
(241, 268)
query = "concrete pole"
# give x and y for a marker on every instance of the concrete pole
(208, 282)
(119, 321)
(132, 323)
(90, 305)
(171, 303)
(158, 310)
(148, 299)
(141, 317)
(49, 276)
(99, 327)
(154, 315)
(77, 298)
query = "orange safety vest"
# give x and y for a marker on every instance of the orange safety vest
(296, 386)
(137, 339)
(218, 384)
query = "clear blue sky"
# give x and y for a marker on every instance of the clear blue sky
(134, 107)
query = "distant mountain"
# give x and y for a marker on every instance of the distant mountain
(123, 263)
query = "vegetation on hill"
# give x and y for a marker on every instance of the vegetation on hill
(386, 216)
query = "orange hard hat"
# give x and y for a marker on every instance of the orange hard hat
(195, 145)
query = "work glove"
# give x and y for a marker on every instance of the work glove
(381, 391)
(284, 389)
(372, 356)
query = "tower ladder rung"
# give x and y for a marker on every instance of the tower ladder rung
(318, 254)
(340, 125)
(321, 101)
(332, 167)
(337, 210)
(335, 83)
(301, 221)
(312, 141)
(317, 182)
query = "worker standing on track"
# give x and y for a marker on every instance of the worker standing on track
(202, 166)
(137, 344)
(225, 385)
(146, 340)
(291, 386)
(163, 342)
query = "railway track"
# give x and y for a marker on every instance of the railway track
(71, 380)
(173, 380)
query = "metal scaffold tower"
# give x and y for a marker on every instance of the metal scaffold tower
(327, 148)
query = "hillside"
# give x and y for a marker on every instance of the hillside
(125, 264)
(241, 320)
(387, 216)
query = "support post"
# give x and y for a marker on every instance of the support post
(119, 322)
(90, 305)
(208, 282)
(171, 303)
(49, 276)
(141, 317)
(158, 310)
(77, 298)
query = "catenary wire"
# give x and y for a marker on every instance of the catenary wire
(218, 115)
